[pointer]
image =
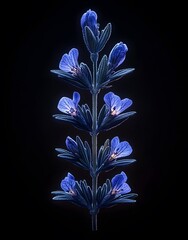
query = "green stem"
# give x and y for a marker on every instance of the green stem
(94, 143)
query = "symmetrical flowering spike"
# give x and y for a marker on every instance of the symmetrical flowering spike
(113, 153)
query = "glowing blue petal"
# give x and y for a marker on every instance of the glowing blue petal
(65, 64)
(70, 176)
(65, 104)
(111, 99)
(69, 62)
(125, 103)
(74, 57)
(114, 143)
(89, 19)
(117, 55)
(76, 98)
(69, 106)
(115, 104)
(123, 149)
(119, 185)
(125, 188)
(118, 180)
(68, 183)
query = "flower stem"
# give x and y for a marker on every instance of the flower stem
(94, 58)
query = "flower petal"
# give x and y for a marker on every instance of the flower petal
(70, 176)
(111, 99)
(114, 143)
(76, 98)
(65, 64)
(74, 57)
(118, 180)
(89, 19)
(125, 189)
(125, 103)
(117, 55)
(65, 104)
(124, 149)
(68, 183)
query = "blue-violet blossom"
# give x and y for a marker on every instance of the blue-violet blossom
(115, 104)
(119, 149)
(89, 19)
(119, 185)
(69, 106)
(69, 62)
(117, 55)
(68, 184)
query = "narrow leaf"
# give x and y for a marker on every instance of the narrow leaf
(105, 35)
(120, 73)
(90, 39)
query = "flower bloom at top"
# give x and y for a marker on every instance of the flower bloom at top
(68, 184)
(115, 104)
(119, 149)
(119, 185)
(89, 19)
(72, 145)
(69, 62)
(69, 106)
(117, 55)
(94, 39)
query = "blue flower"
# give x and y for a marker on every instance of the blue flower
(93, 38)
(76, 192)
(89, 19)
(69, 62)
(72, 145)
(117, 55)
(119, 149)
(69, 106)
(119, 185)
(115, 104)
(68, 184)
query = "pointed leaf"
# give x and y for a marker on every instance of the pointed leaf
(122, 162)
(86, 75)
(63, 74)
(90, 39)
(76, 83)
(65, 118)
(102, 70)
(130, 195)
(108, 184)
(104, 37)
(88, 149)
(111, 122)
(58, 192)
(102, 115)
(120, 73)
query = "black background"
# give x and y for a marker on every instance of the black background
(37, 35)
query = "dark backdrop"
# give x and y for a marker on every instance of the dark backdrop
(37, 35)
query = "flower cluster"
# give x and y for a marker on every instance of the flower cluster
(113, 153)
